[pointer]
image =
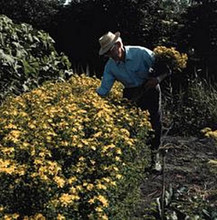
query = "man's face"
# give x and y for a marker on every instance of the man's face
(114, 52)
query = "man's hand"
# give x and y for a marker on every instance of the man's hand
(151, 83)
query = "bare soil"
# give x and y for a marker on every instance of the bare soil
(188, 183)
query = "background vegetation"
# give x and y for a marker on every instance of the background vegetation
(28, 58)
(188, 25)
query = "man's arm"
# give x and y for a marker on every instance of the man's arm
(106, 84)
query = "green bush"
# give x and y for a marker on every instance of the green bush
(27, 58)
(67, 153)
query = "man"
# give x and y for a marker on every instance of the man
(132, 65)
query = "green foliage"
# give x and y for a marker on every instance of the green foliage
(27, 58)
(193, 109)
(179, 204)
(67, 153)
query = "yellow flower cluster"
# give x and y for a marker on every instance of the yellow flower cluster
(16, 216)
(68, 147)
(208, 132)
(170, 56)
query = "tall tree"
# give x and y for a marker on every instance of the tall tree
(38, 13)
(199, 34)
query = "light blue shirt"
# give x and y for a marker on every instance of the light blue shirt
(131, 73)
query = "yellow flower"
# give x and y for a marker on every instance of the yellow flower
(115, 169)
(60, 217)
(117, 158)
(93, 148)
(72, 179)
(65, 199)
(103, 200)
(104, 217)
(39, 217)
(99, 209)
(7, 217)
(59, 181)
(98, 134)
(118, 176)
(113, 183)
(7, 150)
(15, 133)
(90, 186)
(91, 201)
(118, 151)
(81, 159)
(107, 147)
(171, 57)
(209, 133)
(79, 187)
(11, 126)
(101, 186)
(73, 190)
(213, 162)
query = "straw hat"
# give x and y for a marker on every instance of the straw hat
(107, 41)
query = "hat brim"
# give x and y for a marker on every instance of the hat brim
(106, 49)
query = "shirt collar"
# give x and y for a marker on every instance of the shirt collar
(128, 55)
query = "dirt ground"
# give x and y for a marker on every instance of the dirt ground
(188, 183)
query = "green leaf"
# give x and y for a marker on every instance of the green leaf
(28, 69)
(8, 58)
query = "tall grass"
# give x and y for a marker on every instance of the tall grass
(192, 108)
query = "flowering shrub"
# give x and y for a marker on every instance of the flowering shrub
(66, 153)
(171, 57)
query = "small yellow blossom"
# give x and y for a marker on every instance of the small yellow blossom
(59, 181)
(104, 217)
(91, 201)
(60, 217)
(103, 200)
(99, 209)
(72, 179)
(39, 217)
(65, 199)
(101, 186)
(90, 186)
(118, 176)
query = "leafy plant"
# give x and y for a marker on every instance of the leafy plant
(27, 58)
(179, 204)
(194, 108)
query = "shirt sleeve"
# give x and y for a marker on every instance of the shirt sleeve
(149, 58)
(106, 83)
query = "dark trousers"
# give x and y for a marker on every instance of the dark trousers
(148, 100)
